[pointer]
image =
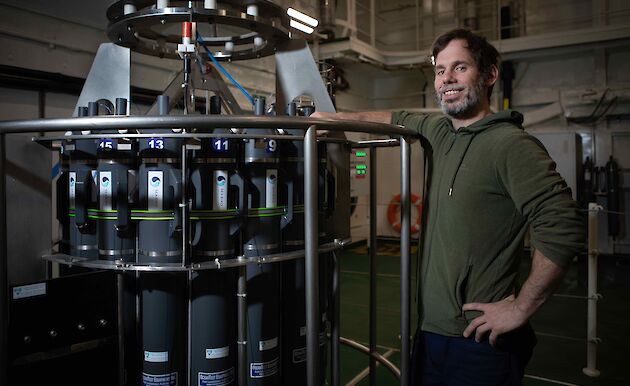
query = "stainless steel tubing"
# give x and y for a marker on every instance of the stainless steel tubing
(377, 143)
(378, 357)
(4, 343)
(405, 261)
(334, 328)
(242, 325)
(196, 121)
(593, 297)
(121, 327)
(311, 256)
(373, 251)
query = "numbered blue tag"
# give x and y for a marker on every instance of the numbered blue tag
(220, 145)
(106, 144)
(272, 145)
(156, 143)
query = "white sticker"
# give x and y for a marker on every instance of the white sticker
(299, 355)
(155, 189)
(156, 356)
(220, 189)
(105, 190)
(220, 378)
(216, 353)
(159, 380)
(72, 188)
(268, 344)
(271, 190)
(27, 291)
(124, 146)
(264, 369)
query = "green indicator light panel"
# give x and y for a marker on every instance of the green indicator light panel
(361, 166)
(360, 154)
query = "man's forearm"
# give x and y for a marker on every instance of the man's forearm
(540, 284)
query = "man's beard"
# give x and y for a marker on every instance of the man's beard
(465, 108)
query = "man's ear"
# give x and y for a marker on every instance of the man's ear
(493, 76)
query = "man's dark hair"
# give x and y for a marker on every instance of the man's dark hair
(484, 53)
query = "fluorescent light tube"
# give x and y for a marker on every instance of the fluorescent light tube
(306, 19)
(302, 27)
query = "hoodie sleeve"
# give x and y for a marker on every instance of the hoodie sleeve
(414, 121)
(540, 194)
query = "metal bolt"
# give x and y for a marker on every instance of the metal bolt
(27, 339)
(102, 322)
(81, 327)
(52, 333)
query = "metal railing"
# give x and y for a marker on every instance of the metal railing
(312, 248)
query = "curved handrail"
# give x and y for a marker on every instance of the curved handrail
(199, 122)
(379, 358)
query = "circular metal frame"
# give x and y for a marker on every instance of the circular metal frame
(201, 122)
(119, 265)
(137, 30)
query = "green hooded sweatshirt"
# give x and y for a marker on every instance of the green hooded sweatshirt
(487, 185)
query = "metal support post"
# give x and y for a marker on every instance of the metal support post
(373, 250)
(311, 257)
(334, 333)
(593, 296)
(241, 294)
(405, 266)
(4, 284)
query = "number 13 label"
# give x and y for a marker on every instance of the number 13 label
(156, 143)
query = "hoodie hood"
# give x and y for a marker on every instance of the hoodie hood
(506, 116)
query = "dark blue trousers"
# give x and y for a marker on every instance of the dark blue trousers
(439, 360)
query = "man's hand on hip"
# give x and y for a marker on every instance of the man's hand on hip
(498, 318)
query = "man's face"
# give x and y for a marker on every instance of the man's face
(459, 86)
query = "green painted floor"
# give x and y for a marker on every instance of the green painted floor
(560, 324)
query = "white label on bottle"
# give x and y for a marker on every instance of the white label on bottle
(271, 190)
(72, 191)
(159, 380)
(264, 369)
(220, 190)
(105, 190)
(216, 353)
(30, 290)
(268, 344)
(155, 189)
(220, 378)
(156, 356)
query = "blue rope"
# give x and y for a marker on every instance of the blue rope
(220, 67)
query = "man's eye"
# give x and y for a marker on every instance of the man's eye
(460, 68)
(440, 72)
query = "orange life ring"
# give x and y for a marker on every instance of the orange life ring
(393, 213)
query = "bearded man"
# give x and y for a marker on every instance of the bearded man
(489, 183)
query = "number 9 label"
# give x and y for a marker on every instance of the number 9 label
(271, 145)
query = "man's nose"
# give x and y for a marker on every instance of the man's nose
(448, 77)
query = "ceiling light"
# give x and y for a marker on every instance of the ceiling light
(306, 19)
(299, 26)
